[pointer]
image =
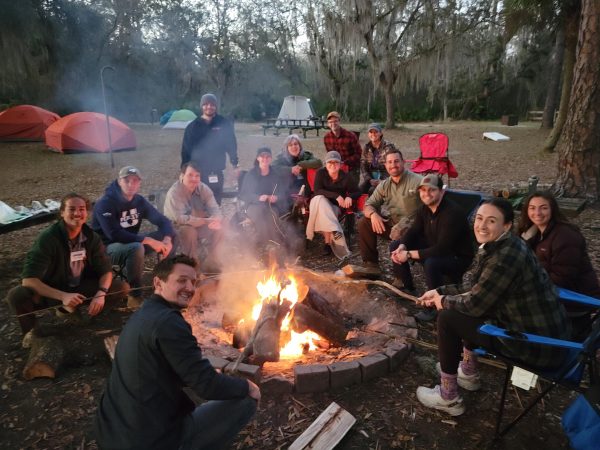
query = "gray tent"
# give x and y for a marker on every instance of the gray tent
(296, 107)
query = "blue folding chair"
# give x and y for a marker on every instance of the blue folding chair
(580, 356)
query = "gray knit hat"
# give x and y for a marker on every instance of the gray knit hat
(208, 98)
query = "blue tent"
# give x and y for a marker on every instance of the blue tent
(166, 116)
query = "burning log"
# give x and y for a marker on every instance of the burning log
(266, 342)
(241, 334)
(263, 344)
(317, 302)
(329, 327)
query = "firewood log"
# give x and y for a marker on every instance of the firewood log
(45, 357)
(304, 317)
(320, 304)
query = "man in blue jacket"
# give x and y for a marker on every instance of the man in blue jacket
(118, 216)
(143, 405)
(206, 141)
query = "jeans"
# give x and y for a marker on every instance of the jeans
(215, 424)
(435, 268)
(131, 256)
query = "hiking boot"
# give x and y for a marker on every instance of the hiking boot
(432, 398)
(427, 315)
(64, 311)
(26, 342)
(468, 382)
(134, 302)
(372, 265)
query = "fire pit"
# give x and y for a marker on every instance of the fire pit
(316, 330)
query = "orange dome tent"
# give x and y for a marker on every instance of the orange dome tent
(86, 132)
(25, 123)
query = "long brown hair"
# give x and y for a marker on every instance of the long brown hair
(555, 213)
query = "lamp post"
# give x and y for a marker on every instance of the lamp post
(112, 161)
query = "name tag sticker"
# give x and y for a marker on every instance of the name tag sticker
(78, 255)
(212, 179)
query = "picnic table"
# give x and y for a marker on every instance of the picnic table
(294, 124)
(28, 222)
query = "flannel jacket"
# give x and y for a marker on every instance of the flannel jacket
(509, 288)
(346, 145)
(373, 160)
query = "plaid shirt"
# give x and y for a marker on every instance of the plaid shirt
(373, 160)
(510, 289)
(347, 145)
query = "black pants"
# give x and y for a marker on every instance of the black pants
(456, 330)
(436, 268)
(216, 188)
(23, 299)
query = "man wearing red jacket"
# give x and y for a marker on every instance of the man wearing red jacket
(345, 143)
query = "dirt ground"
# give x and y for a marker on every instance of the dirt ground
(44, 414)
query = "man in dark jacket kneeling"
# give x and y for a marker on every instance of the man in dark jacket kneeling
(143, 405)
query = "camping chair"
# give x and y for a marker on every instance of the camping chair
(580, 355)
(347, 216)
(434, 156)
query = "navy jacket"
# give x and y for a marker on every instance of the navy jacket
(118, 220)
(143, 404)
(207, 143)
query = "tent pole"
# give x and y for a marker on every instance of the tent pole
(112, 161)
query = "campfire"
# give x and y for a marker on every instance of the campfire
(287, 320)
(283, 321)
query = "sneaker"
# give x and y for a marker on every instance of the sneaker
(426, 316)
(134, 302)
(432, 398)
(467, 382)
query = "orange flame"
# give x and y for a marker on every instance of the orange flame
(298, 341)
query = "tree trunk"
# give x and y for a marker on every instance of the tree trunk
(556, 63)
(579, 144)
(388, 89)
(571, 27)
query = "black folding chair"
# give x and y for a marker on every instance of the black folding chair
(580, 356)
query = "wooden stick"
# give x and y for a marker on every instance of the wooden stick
(377, 282)
(87, 299)
(486, 361)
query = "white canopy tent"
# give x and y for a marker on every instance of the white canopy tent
(296, 107)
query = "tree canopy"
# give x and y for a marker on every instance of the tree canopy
(373, 60)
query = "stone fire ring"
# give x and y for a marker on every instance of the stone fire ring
(375, 347)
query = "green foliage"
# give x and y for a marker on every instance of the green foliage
(167, 53)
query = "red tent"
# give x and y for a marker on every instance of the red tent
(86, 131)
(25, 123)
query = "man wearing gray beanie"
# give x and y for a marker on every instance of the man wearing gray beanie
(206, 141)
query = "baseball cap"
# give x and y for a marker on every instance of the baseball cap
(374, 126)
(129, 170)
(431, 180)
(333, 156)
(262, 150)
(334, 114)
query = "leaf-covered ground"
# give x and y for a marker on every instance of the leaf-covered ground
(58, 413)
